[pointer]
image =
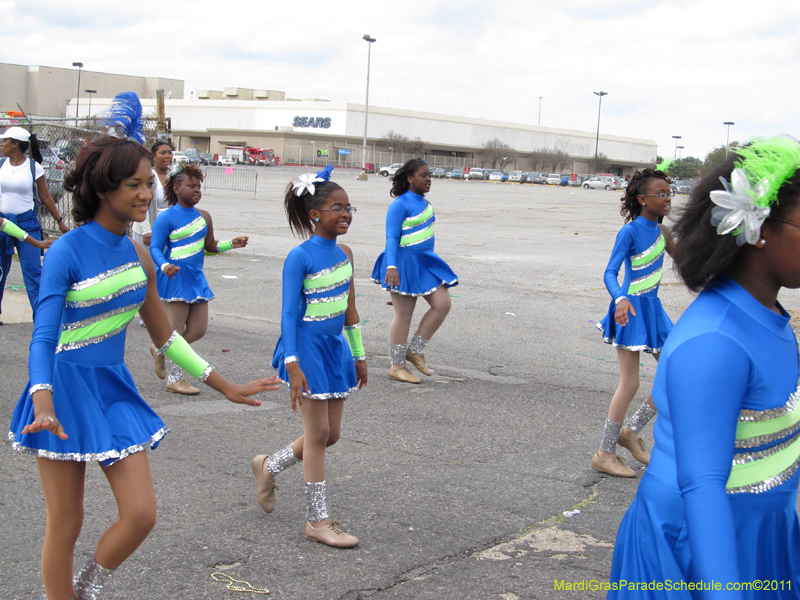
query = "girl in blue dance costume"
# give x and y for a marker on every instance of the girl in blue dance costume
(181, 236)
(409, 268)
(81, 403)
(718, 502)
(322, 365)
(635, 320)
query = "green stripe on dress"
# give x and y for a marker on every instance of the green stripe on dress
(653, 253)
(108, 286)
(420, 218)
(332, 279)
(326, 309)
(765, 465)
(188, 229)
(187, 250)
(645, 283)
(97, 329)
(415, 238)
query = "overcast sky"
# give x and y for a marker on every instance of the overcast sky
(669, 67)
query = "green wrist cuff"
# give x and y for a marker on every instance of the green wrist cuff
(353, 333)
(224, 246)
(180, 352)
(13, 230)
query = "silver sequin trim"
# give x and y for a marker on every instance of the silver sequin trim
(94, 301)
(282, 460)
(82, 285)
(185, 256)
(90, 580)
(327, 299)
(41, 386)
(316, 506)
(749, 457)
(397, 353)
(329, 396)
(417, 344)
(325, 317)
(180, 230)
(646, 252)
(290, 359)
(418, 215)
(755, 442)
(359, 358)
(352, 327)
(204, 375)
(646, 290)
(92, 340)
(769, 483)
(89, 457)
(647, 264)
(643, 348)
(772, 413)
(610, 436)
(641, 417)
(394, 291)
(163, 350)
(418, 241)
(327, 270)
(100, 317)
(196, 300)
(328, 288)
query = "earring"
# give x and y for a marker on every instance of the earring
(763, 242)
(316, 220)
(103, 196)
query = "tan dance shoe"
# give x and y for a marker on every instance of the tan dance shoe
(418, 360)
(159, 365)
(330, 535)
(181, 387)
(266, 486)
(403, 375)
(634, 445)
(612, 465)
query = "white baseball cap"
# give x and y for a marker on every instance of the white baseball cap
(16, 133)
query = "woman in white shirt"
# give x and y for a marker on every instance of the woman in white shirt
(19, 179)
(162, 159)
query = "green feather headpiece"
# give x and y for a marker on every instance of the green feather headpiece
(665, 164)
(771, 160)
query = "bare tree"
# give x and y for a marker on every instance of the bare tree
(497, 152)
(403, 144)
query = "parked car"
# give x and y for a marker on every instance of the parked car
(225, 161)
(179, 158)
(207, 159)
(478, 174)
(438, 172)
(575, 182)
(387, 171)
(515, 176)
(603, 182)
(53, 167)
(194, 159)
(553, 179)
(534, 177)
(457, 173)
(498, 175)
(683, 186)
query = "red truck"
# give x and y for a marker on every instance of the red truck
(261, 156)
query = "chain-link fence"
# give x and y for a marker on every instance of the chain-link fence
(60, 140)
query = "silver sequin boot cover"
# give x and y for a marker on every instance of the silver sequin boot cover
(397, 353)
(417, 344)
(282, 460)
(175, 373)
(610, 436)
(90, 580)
(316, 505)
(641, 417)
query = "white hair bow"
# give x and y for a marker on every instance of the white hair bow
(305, 182)
(736, 209)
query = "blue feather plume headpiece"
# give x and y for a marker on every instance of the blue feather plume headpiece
(124, 119)
(325, 174)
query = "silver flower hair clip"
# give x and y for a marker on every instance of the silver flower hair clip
(736, 209)
(305, 183)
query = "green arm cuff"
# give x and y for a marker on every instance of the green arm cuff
(353, 333)
(180, 352)
(13, 230)
(224, 246)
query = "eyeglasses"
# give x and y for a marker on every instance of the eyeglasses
(661, 195)
(338, 210)
(787, 222)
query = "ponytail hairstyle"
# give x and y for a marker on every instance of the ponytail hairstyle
(101, 167)
(400, 183)
(186, 171)
(638, 184)
(305, 194)
(33, 144)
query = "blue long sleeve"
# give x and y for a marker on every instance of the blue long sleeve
(623, 247)
(395, 216)
(707, 379)
(297, 264)
(159, 238)
(57, 274)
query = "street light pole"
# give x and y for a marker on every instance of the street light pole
(369, 41)
(90, 92)
(679, 151)
(676, 138)
(728, 137)
(597, 141)
(78, 99)
(540, 110)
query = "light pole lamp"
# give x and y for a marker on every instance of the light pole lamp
(78, 99)
(540, 110)
(676, 138)
(597, 140)
(728, 136)
(370, 41)
(90, 92)
(391, 160)
(679, 153)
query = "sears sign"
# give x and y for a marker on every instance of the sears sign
(321, 122)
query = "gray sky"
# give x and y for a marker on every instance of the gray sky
(669, 67)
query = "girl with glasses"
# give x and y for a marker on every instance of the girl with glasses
(635, 321)
(409, 268)
(321, 363)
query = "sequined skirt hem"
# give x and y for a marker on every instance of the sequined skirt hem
(429, 292)
(195, 301)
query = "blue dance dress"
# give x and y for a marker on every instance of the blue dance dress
(316, 285)
(92, 286)
(640, 245)
(718, 500)
(178, 238)
(409, 247)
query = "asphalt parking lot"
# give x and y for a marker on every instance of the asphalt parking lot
(457, 488)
